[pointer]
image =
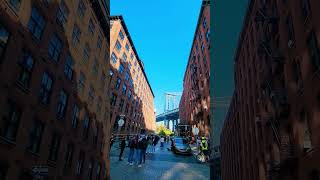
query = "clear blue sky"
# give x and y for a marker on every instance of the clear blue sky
(162, 32)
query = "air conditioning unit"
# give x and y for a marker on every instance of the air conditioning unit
(290, 43)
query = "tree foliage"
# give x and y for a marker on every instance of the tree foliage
(161, 130)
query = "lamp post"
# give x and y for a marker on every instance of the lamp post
(120, 124)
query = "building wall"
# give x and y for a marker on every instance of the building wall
(16, 158)
(195, 101)
(272, 130)
(140, 112)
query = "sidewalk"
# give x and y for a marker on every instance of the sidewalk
(162, 165)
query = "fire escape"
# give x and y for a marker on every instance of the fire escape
(273, 85)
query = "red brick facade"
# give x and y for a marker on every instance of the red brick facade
(194, 108)
(131, 93)
(272, 127)
(50, 114)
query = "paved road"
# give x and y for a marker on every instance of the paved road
(162, 165)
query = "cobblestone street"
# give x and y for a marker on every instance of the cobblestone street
(161, 165)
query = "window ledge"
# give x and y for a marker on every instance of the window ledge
(7, 142)
(52, 163)
(33, 154)
(22, 87)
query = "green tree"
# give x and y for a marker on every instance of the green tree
(161, 130)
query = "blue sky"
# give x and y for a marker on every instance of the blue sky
(162, 32)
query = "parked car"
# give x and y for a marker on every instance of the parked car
(180, 146)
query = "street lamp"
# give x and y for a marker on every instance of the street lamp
(120, 124)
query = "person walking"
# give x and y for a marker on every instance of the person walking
(132, 145)
(122, 147)
(161, 141)
(139, 152)
(144, 142)
(154, 143)
(204, 147)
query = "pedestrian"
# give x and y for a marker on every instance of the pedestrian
(144, 142)
(111, 141)
(138, 159)
(161, 141)
(154, 143)
(150, 142)
(132, 145)
(122, 147)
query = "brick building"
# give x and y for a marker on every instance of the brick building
(272, 128)
(194, 107)
(53, 105)
(131, 93)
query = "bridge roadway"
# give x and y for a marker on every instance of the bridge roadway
(169, 116)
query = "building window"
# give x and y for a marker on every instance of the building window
(76, 33)
(68, 67)
(4, 37)
(135, 63)
(113, 99)
(306, 8)
(290, 28)
(62, 104)
(99, 42)
(121, 105)
(91, 94)
(95, 67)
(36, 136)
(12, 121)
(46, 88)
(127, 109)
(54, 147)
(62, 14)
(55, 47)
(86, 53)
(127, 76)
(306, 131)
(90, 169)
(114, 58)
(200, 36)
(82, 81)
(131, 56)
(202, 47)
(118, 46)
(121, 35)
(121, 68)
(103, 79)
(127, 48)
(86, 124)
(69, 156)
(124, 89)
(129, 95)
(75, 116)
(26, 70)
(208, 35)
(314, 51)
(91, 27)
(98, 171)
(118, 83)
(80, 163)
(15, 4)
(81, 9)
(124, 56)
(99, 102)
(36, 24)
(204, 22)
(129, 66)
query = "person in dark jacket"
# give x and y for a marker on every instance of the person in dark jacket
(122, 147)
(132, 145)
(144, 149)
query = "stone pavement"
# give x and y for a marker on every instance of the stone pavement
(162, 165)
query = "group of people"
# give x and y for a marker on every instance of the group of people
(139, 146)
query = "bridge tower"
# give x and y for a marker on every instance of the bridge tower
(171, 103)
